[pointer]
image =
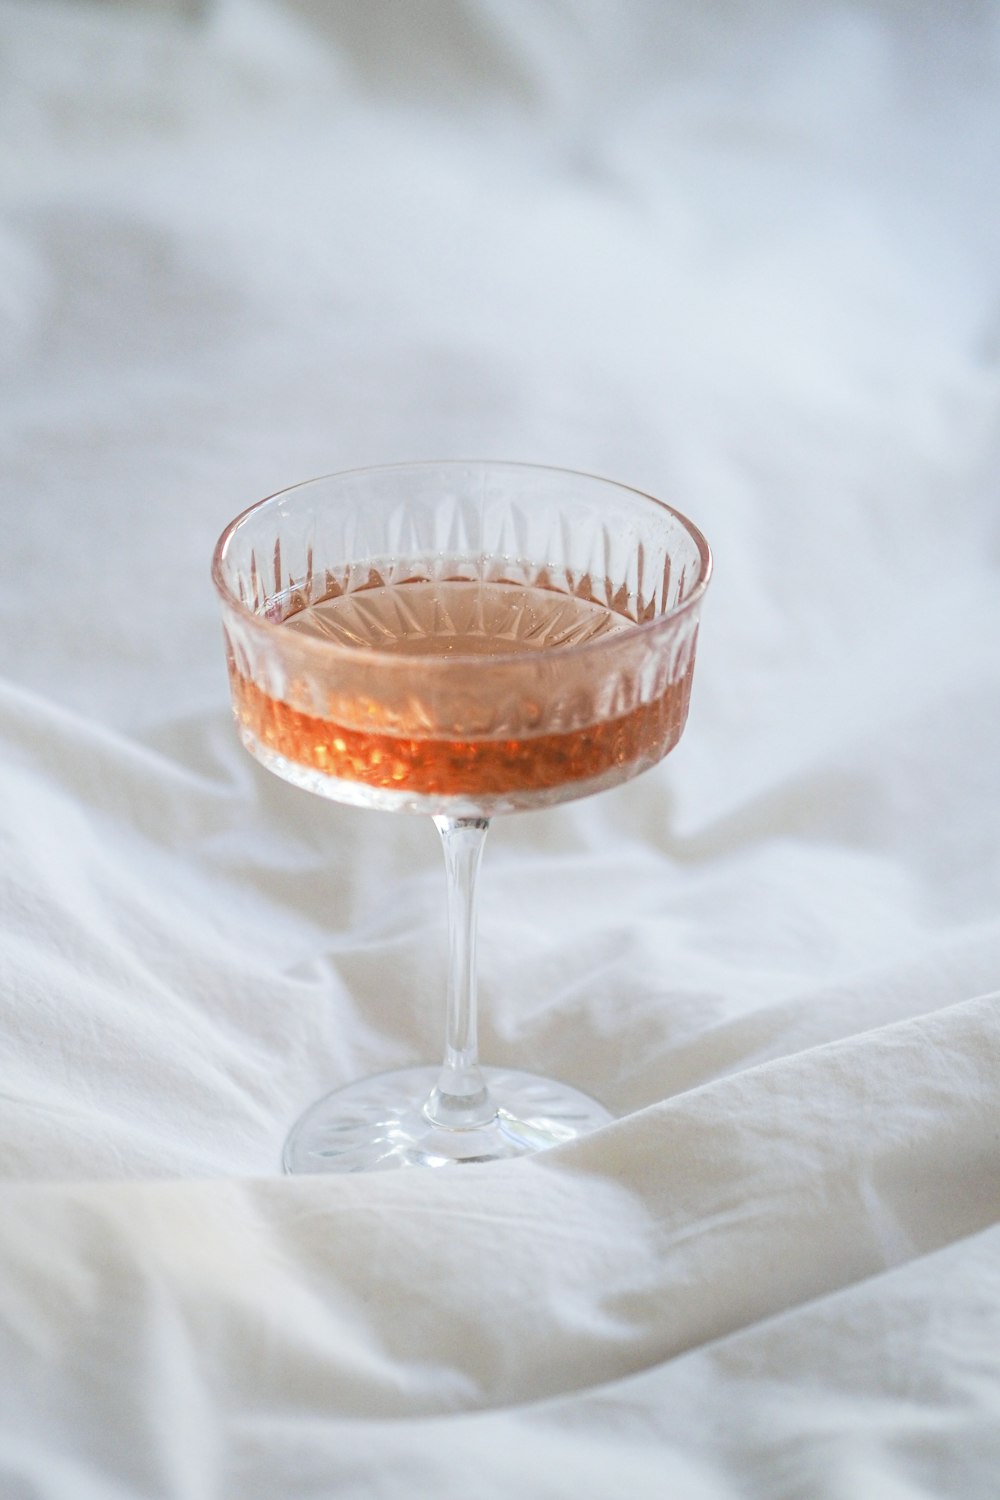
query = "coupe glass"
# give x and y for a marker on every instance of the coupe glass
(460, 640)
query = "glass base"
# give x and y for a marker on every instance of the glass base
(378, 1124)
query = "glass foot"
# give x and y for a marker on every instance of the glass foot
(378, 1123)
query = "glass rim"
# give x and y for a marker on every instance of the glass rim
(326, 647)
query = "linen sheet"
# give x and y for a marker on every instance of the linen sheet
(745, 258)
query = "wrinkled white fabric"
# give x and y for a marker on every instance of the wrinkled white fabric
(747, 259)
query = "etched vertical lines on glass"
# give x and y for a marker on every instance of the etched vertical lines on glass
(504, 627)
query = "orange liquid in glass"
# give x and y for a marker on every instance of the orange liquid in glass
(466, 620)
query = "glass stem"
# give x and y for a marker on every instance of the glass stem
(460, 1099)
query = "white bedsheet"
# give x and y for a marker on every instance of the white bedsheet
(747, 258)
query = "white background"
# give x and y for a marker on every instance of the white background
(744, 257)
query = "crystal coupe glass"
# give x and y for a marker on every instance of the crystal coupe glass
(461, 640)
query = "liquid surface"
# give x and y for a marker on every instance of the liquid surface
(410, 750)
(458, 618)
